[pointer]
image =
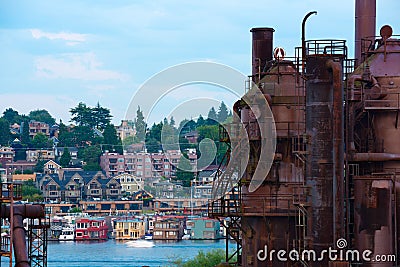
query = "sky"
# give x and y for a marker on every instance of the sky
(55, 54)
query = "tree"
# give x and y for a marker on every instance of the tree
(25, 139)
(140, 125)
(200, 121)
(82, 115)
(222, 112)
(186, 126)
(172, 121)
(111, 139)
(4, 132)
(101, 116)
(212, 114)
(42, 115)
(129, 140)
(82, 136)
(97, 117)
(209, 259)
(91, 156)
(65, 158)
(39, 167)
(41, 141)
(184, 173)
(12, 116)
(153, 138)
(212, 132)
(30, 192)
(65, 136)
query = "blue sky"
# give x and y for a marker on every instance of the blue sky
(55, 54)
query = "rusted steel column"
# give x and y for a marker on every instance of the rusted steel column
(19, 240)
(261, 50)
(365, 21)
(338, 148)
(319, 166)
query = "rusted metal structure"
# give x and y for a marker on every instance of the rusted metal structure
(28, 250)
(335, 171)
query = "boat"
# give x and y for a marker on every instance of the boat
(140, 244)
(148, 237)
(67, 234)
(186, 237)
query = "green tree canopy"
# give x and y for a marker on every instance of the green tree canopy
(111, 140)
(209, 259)
(65, 158)
(81, 115)
(212, 114)
(39, 167)
(12, 116)
(30, 191)
(140, 125)
(91, 156)
(222, 112)
(25, 139)
(200, 121)
(4, 132)
(41, 141)
(101, 116)
(84, 115)
(42, 115)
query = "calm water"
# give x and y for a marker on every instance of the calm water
(111, 253)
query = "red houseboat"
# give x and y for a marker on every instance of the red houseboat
(90, 229)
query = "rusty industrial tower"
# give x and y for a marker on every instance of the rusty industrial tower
(334, 181)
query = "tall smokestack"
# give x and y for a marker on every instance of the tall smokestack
(261, 50)
(365, 24)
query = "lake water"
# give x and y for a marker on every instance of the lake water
(112, 253)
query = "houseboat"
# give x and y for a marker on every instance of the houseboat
(67, 233)
(168, 229)
(128, 229)
(90, 229)
(203, 228)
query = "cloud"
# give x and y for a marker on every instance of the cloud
(80, 66)
(71, 38)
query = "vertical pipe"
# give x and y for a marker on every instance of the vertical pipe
(303, 37)
(19, 243)
(320, 162)
(365, 23)
(338, 149)
(262, 42)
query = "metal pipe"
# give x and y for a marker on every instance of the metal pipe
(19, 243)
(338, 149)
(303, 37)
(19, 213)
(351, 95)
(365, 23)
(358, 157)
(262, 46)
